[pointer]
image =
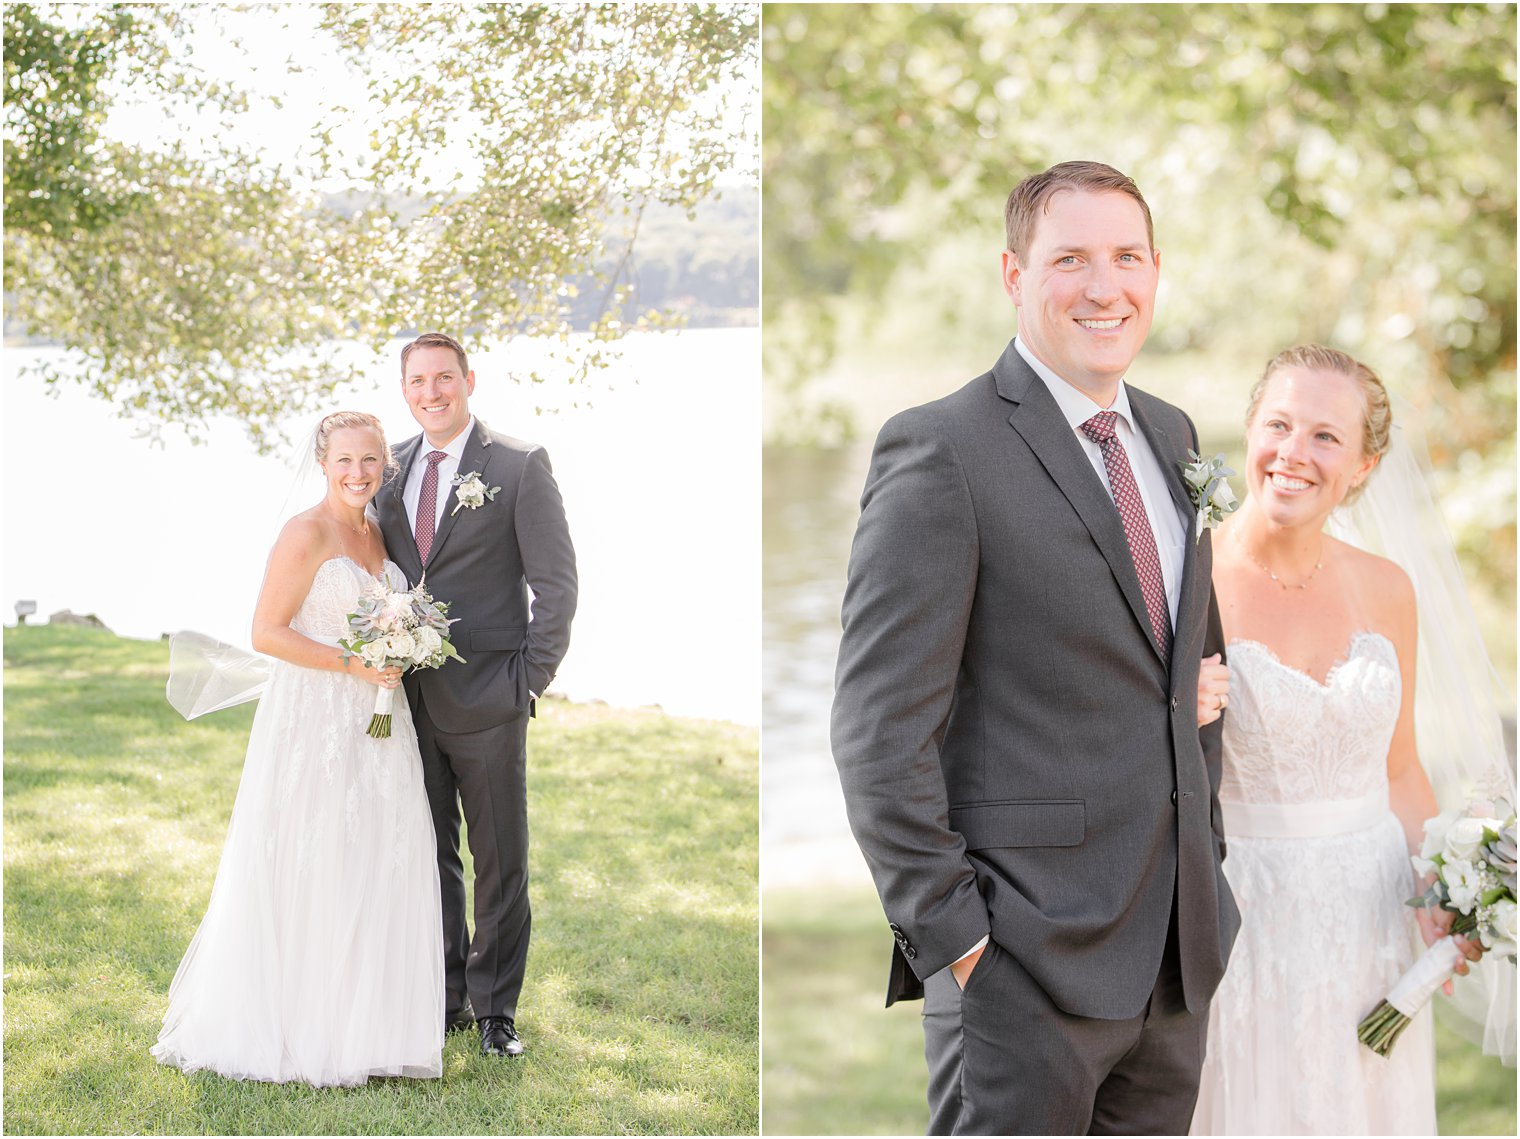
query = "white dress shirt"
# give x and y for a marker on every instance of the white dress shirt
(447, 469)
(1167, 526)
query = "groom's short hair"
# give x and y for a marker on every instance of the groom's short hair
(1031, 197)
(437, 340)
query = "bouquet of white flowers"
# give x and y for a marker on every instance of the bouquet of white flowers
(404, 629)
(1472, 855)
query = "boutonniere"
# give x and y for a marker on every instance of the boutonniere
(1208, 487)
(472, 492)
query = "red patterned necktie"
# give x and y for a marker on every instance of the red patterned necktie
(1137, 527)
(427, 505)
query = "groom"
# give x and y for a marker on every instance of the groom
(482, 550)
(1015, 715)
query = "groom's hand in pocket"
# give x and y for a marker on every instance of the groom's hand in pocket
(961, 970)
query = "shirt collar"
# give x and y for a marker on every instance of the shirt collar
(455, 448)
(1076, 406)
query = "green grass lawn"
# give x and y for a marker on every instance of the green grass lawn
(640, 1009)
(837, 1063)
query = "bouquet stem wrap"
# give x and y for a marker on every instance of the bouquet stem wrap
(1380, 1029)
(380, 722)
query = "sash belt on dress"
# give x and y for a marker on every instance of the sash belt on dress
(1304, 820)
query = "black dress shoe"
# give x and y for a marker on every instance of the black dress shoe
(459, 1021)
(498, 1037)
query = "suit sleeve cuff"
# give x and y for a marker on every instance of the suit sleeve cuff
(977, 948)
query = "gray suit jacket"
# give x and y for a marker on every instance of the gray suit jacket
(482, 563)
(1008, 736)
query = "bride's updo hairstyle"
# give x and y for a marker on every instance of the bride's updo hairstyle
(338, 421)
(1377, 415)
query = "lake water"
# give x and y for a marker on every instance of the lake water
(811, 505)
(660, 476)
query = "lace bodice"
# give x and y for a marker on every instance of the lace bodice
(1290, 739)
(334, 594)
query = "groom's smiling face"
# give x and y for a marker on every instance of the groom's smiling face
(1086, 288)
(437, 392)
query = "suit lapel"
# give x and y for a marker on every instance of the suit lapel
(472, 459)
(406, 455)
(1039, 422)
(1171, 453)
(399, 537)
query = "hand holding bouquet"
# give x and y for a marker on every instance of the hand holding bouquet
(1472, 856)
(404, 629)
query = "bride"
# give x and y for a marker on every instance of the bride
(1323, 794)
(320, 958)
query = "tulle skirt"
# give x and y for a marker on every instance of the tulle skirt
(320, 957)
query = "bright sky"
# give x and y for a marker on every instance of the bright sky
(298, 83)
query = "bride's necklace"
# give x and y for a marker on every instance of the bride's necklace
(362, 531)
(1319, 564)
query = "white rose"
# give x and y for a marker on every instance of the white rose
(1504, 920)
(1435, 833)
(1223, 497)
(1496, 928)
(1466, 836)
(399, 644)
(1463, 884)
(428, 642)
(373, 653)
(471, 494)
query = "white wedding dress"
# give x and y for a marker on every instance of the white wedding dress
(1319, 868)
(320, 958)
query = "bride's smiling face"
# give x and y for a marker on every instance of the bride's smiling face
(1304, 445)
(354, 465)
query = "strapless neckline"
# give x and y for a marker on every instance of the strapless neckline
(1346, 657)
(336, 589)
(360, 566)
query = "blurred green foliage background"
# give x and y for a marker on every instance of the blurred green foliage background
(1333, 173)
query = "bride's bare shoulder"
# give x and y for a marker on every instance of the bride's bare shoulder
(305, 538)
(1382, 587)
(1373, 572)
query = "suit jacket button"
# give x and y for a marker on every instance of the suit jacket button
(1174, 703)
(1174, 796)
